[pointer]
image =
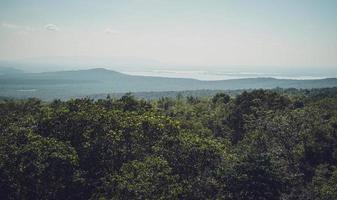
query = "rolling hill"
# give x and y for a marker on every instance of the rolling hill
(68, 84)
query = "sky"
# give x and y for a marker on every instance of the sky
(207, 34)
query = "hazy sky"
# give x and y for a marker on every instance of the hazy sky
(174, 32)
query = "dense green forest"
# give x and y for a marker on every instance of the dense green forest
(260, 144)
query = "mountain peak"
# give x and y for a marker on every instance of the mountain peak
(102, 70)
(99, 69)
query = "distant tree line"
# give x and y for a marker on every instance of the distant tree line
(326, 92)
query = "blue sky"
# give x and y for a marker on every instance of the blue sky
(174, 32)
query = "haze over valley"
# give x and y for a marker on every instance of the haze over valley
(90, 82)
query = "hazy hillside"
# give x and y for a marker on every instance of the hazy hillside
(9, 71)
(67, 84)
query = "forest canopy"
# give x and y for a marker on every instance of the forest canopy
(261, 144)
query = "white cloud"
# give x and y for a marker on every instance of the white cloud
(11, 26)
(18, 28)
(51, 27)
(111, 31)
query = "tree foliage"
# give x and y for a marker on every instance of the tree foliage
(260, 144)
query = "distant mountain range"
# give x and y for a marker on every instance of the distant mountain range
(68, 84)
(59, 63)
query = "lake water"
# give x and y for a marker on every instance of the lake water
(27, 90)
(218, 75)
